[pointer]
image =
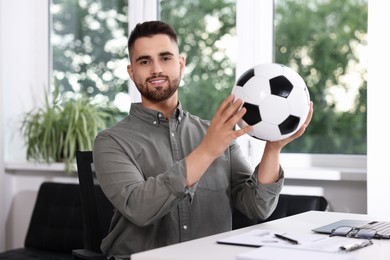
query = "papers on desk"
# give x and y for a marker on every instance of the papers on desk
(272, 253)
(308, 245)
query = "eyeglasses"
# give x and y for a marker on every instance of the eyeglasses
(354, 232)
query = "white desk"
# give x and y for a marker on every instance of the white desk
(207, 247)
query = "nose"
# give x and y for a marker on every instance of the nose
(157, 68)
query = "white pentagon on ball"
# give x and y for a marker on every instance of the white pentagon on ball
(276, 98)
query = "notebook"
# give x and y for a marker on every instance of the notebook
(382, 227)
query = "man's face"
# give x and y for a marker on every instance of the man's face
(156, 67)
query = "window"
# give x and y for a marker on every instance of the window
(89, 43)
(326, 43)
(322, 40)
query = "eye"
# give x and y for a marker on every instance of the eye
(143, 62)
(166, 58)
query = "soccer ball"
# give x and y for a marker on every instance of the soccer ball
(276, 98)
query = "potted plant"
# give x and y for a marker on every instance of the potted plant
(54, 132)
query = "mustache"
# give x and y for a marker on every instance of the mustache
(157, 76)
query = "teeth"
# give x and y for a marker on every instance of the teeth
(158, 81)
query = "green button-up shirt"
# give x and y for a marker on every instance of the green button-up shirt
(140, 166)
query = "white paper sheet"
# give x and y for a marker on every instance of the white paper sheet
(266, 238)
(275, 253)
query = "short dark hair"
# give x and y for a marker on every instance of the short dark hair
(148, 29)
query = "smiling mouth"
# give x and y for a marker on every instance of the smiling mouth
(157, 81)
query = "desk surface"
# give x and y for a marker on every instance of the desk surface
(207, 247)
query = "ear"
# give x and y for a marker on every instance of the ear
(182, 62)
(130, 71)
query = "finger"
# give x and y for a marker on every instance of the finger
(306, 123)
(241, 131)
(225, 104)
(303, 127)
(310, 114)
(233, 109)
(238, 111)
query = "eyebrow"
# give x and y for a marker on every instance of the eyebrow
(166, 53)
(147, 57)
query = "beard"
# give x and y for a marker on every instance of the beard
(161, 93)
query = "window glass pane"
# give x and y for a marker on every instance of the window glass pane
(206, 32)
(89, 45)
(326, 43)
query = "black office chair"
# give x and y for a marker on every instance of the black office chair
(288, 205)
(55, 227)
(96, 208)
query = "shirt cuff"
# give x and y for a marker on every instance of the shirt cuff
(176, 180)
(266, 190)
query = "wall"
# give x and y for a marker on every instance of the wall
(23, 76)
(378, 181)
(2, 175)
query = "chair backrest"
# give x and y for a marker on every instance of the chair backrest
(96, 208)
(288, 205)
(56, 222)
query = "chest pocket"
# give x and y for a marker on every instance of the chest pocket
(217, 176)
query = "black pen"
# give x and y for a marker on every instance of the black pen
(290, 240)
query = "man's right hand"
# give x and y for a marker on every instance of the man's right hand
(220, 134)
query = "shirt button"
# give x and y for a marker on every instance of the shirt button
(154, 122)
(172, 134)
(185, 227)
(159, 115)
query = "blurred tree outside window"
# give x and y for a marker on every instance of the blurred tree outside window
(326, 43)
(89, 50)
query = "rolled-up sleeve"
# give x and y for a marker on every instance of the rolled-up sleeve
(254, 199)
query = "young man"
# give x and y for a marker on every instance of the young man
(170, 175)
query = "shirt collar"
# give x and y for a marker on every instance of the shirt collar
(153, 116)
